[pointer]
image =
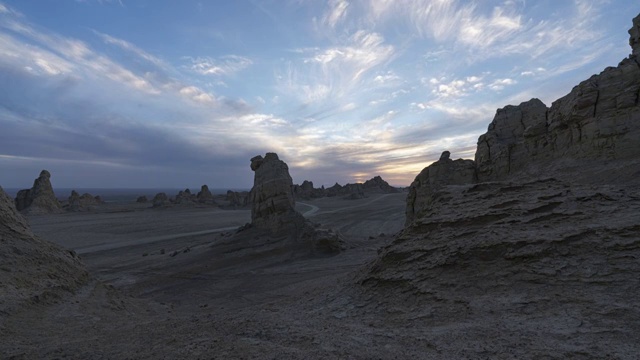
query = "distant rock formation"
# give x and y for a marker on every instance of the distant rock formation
(185, 197)
(32, 270)
(160, 200)
(205, 196)
(634, 37)
(82, 202)
(40, 199)
(142, 199)
(347, 192)
(238, 199)
(377, 184)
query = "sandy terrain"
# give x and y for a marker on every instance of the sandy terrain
(166, 285)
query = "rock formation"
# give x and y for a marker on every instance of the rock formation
(40, 199)
(185, 197)
(634, 38)
(142, 199)
(82, 202)
(160, 200)
(272, 200)
(238, 199)
(32, 270)
(377, 184)
(273, 214)
(205, 196)
(536, 241)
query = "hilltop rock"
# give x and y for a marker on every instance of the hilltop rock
(598, 120)
(40, 199)
(205, 196)
(32, 270)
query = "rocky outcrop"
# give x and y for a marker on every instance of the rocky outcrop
(536, 241)
(84, 202)
(40, 199)
(273, 214)
(142, 199)
(272, 200)
(205, 196)
(32, 270)
(443, 172)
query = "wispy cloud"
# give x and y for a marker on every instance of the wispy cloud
(223, 66)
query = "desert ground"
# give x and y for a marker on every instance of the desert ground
(164, 286)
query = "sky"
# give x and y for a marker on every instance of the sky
(155, 93)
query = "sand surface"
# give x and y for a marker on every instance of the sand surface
(165, 285)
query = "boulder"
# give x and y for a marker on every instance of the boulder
(40, 199)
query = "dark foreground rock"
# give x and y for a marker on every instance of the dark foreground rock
(32, 271)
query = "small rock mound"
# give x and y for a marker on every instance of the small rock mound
(142, 199)
(40, 199)
(377, 184)
(160, 200)
(32, 270)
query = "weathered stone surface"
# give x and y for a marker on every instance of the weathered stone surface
(443, 172)
(32, 270)
(599, 119)
(272, 200)
(40, 199)
(273, 210)
(205, 196)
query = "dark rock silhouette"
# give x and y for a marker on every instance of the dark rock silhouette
(40, 199)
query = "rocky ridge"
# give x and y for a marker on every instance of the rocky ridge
(348, 191)
(84, 202)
